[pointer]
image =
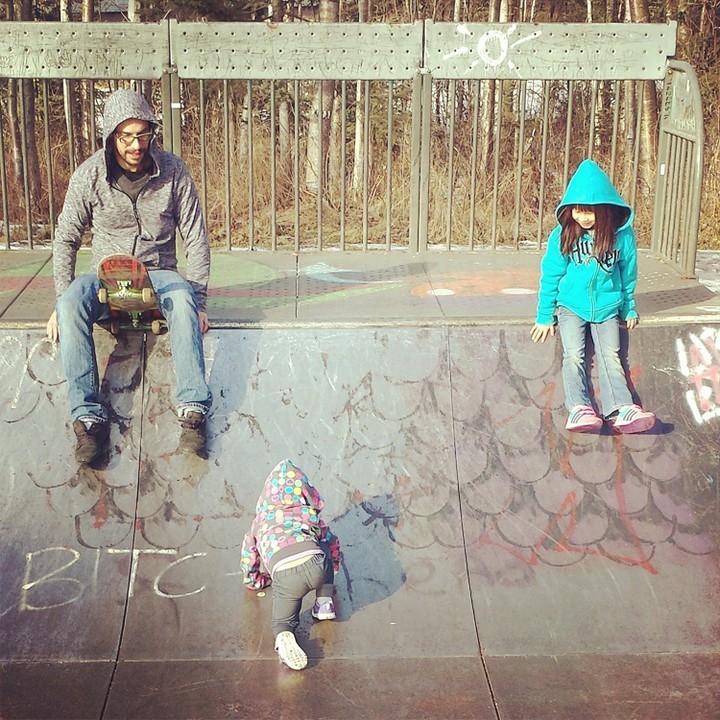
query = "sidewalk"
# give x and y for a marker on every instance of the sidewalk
(249, 289)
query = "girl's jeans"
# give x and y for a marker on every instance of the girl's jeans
(78, 308)
(292, 585)
(614, 391)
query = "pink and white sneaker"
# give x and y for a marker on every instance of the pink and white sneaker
(633, 419)
(583, 419)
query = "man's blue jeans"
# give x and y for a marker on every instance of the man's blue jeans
(614, 392)
(78, 308)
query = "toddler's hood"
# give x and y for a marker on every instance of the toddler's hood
(287, 486)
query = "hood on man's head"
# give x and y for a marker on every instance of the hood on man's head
(590, 185)
(122, 105)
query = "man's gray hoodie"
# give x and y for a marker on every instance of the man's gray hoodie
(144, 228)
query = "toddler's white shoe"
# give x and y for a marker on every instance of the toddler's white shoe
(289, 651)
(583, 418)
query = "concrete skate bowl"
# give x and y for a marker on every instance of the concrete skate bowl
(495, 566)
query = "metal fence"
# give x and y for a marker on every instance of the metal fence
(317, 136)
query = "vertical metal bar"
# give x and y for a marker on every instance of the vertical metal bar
(636, 153)
(343, 160)
(684, 232)
(568, 130)
(203, 151)
(496, 152)
(672, 194)
(48, 156)
(320, 174)
(166, 101)
(296, 164)
(388, 169)
(473, 163)
(543, 161)
(415, 163)
(70, 125)
(520, 160)
(3, 181)
(176, 116)
(366, 161)
(250, 167)
(226, 139)
(615, 129)
(593, 117)
(672, 198)
(273, 167)
(24, 154)
(426, 148)
(451, 165)
(93, 129)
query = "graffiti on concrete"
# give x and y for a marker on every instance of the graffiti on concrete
(440, 422)
(700, 364)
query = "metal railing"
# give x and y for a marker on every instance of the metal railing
(315, 136)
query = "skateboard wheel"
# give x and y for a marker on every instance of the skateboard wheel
(102, 295)
(156, 327)
(148, 295)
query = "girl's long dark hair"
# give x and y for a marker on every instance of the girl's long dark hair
(608, 218)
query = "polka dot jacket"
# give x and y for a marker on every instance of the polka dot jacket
(286, 522)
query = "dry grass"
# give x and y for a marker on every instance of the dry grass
(709, 232)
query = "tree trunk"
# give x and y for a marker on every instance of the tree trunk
(285, 155)
(84, 141)
(639, 13)
(488, 89)
(336, 171)
(319, 125)
(357, 173)
(69, 99)
(28, 98)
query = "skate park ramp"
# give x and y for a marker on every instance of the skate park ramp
(495, 566)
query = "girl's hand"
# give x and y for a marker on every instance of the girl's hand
(632, 322)
(540, 332)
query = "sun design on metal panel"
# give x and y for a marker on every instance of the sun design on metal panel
(493, 47)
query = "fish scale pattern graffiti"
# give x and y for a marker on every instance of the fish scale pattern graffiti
(440, 420)
(534, 494)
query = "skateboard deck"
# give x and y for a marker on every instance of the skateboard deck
(126, 289)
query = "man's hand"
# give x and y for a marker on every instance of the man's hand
(204, 321)
(52, 329)
(632, 323)
(540, 332)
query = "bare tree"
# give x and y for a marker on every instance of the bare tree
(639, 12)
(358, 163)
(27, 118)
(488, 102)
(319, 125)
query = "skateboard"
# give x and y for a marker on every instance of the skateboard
(129, 295)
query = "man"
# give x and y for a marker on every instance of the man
(133, 196)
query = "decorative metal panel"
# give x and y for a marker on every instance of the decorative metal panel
(548, 51)
(83, 50)
(307, 51)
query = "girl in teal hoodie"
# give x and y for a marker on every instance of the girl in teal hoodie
(588, 278)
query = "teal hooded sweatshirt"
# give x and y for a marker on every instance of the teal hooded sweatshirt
(594, 288)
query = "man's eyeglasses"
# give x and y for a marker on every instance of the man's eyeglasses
(128, 139)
